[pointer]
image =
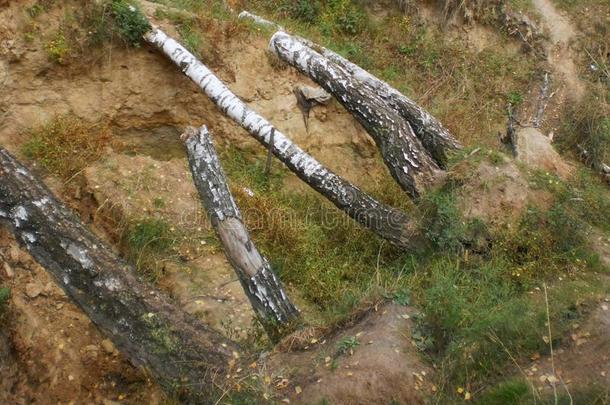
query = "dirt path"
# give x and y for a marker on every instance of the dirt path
(560, 55)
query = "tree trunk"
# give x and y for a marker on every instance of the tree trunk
(186, 357)
(403, 153)
(434, 136)
(254, 271)
(389, 223)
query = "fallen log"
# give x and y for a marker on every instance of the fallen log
(403, 153)
(389, 223)
(186, 357)
(254, 271)
(433, 135)
(431, 132)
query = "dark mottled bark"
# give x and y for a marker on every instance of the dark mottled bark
(260, 284)
(389, 223)
(182, 354)
(403, 153)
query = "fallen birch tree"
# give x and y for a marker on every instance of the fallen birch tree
(186, 357)
(434, 136)
(260, 284)
(389, 223)
(437, 139)
(403, 153)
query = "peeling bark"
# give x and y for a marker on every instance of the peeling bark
(389, 223)
(186, 357)
(260, 284)
(434, 136)
(403, 153)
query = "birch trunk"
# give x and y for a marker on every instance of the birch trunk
(254, 271)
(389, 223)
(180, 352)
(434, 136)
(403, 153)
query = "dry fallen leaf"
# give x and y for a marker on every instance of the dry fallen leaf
(467, 396)
(298, 389)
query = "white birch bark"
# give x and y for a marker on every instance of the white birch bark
(261, 285)
(389, 223)
(403, 153)
(435, 137)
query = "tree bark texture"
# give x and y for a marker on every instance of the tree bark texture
(186, 357)
(403, 153)
(260, 284)
(389, 223)
(434, 136)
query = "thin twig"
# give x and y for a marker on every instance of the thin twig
(548, 322)
(496, 339)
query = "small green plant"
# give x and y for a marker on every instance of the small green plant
(151, 234)
(147, 243)
(159, 202)
(58, 48)
(514, 98)
(40, 7)
(5, 294)
(443, 222)
(585, 129)
(129, 21)
(511, 392)
(347, 345)
(402, 297)
(304, 10)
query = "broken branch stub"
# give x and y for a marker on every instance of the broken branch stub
(183, 354)
(434, 136)
(403, 153)
(389, 223)
(258, 280)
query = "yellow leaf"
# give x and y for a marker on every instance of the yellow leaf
(467, 396)
(460, 390)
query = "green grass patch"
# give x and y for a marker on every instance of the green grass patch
(147, 243)
(585, 128)
(65, 145)
(5, 294)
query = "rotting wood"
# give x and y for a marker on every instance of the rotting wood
(389, 223)
(183, 354)
(261, 285)
(403, 153)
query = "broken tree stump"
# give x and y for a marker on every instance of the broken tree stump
(403, 153)
(389, 223)
(261, 285)
(185, 356)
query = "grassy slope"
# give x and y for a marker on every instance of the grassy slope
(477, 309)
